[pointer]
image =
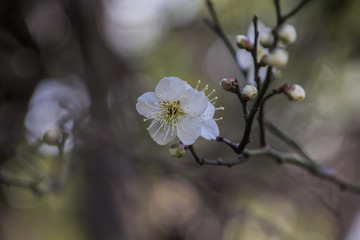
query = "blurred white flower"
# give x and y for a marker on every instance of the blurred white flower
(56, 103)
(177, 109)
(244, 57)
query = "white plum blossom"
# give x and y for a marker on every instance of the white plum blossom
(178, 110)
(244, 57)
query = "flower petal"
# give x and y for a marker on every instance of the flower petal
(195, 102)
(209, 129)
(208, 113)
(148, 104)
(170, 88)
(244, 59)
(189, 129)
(162, 134)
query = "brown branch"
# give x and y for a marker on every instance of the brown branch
(215, 25)
(317, 170)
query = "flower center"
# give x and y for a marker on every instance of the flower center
(172, 110)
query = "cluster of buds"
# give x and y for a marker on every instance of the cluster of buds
(248, 92)
(277, 56)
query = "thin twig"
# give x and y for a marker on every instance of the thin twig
(248, 124)
(261, 114)
(278, 12)
(193, 152)
(294, 11)
(254, 53)
(323, 172)
(242, 101)
(287, 139)
(215, 25)
(227, 142)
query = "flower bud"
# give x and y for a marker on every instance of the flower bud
(295, 92)
(177, 150)
(287, 34)
(243, 42)
(249, 92)
(228, 84)
(53, 136)
(277, 58)
(267, 40)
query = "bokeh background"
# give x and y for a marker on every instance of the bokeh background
(81, 64)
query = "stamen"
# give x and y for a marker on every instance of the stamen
(215, 98)
(220, 108)
(167, 132)
(197, 85)
(211, 93)
(205, 88)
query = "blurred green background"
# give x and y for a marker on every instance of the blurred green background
(95, 57)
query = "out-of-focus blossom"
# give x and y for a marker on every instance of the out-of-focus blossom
(57, 103)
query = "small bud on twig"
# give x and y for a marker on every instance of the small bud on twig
(294, 92)
(243, 42)
(177, 150)
(287, 34)
(267, 40)
(228, 84)
(249, 92)
(277, 58)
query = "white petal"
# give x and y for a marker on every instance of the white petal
(209, 129)
(148, 104)
(262, 73)
(189, 129)
(195, 101)
(208, 113)
(244, 59)
(170, 88)
(162, 134)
